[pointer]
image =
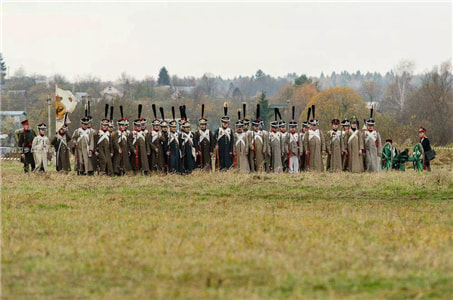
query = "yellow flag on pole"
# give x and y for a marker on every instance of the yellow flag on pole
(65, 103)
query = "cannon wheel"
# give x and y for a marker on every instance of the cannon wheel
(386, 157)
(418, 157)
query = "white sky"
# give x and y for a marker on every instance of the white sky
(227, 39)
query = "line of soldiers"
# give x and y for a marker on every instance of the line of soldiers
(171, 147)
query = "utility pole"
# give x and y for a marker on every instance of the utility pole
(48, 114)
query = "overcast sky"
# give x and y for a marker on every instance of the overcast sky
(106, 39)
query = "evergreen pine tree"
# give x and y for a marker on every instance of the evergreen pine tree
(164, 78)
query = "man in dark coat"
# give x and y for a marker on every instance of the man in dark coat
(104, 147)
(205, 141)
(121, 147)
(60, 142)
(163, 139)
(224, 142)
(188, 148)
(140, 147)
(426, 147)
(173, 149)
(25, 142)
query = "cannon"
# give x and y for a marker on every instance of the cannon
(397, 161)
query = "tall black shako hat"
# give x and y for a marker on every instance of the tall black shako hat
(244, 112)
(181, 115)
(306, 123)
(370, 120)
(239, 122)
(225, 118)
(173, 122)
(111, 123)
(276, 123)
(89, 116)
(202, 120)
(282, 122)
(106, 120)
(137, 122)
(163, 122)
(184, 120)
(257, 120)
(156, 121)
(293, 122)
(143, 121)
(123, 120)
(313, 121)
(85, 120)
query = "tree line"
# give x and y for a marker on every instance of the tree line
(403, 100)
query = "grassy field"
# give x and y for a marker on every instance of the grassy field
(355, 236)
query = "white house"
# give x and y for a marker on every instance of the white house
(110, 93)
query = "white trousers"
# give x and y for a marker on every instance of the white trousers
(294, 164)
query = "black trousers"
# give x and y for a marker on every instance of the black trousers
(427, 164)
(29, 161)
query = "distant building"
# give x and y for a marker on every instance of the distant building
(185, 89)
(9, 124)
(81, 96)
(17, 92)
(42, 81)
(178, 91)
(375, 105)
(284, 109)
(234, 93)
(110, 93)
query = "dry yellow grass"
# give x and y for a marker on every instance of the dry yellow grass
(227, 235)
